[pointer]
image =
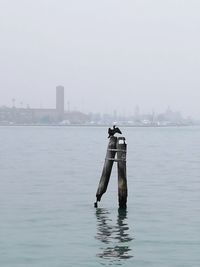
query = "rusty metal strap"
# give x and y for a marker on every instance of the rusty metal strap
(116, 160)
(117, 150)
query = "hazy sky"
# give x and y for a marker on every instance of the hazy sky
(109, 54)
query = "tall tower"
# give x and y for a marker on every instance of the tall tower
(60, 102)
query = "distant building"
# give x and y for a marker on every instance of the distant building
(137, 114)
(29, 115)
(60, 102)
(55, 115)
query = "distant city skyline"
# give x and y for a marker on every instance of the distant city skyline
(58, 115)
(69, 106)
(109, 55)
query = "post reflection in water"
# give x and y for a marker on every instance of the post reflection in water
(115, 237)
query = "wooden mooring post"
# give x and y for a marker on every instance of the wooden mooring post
(107, 168)
(115, 145)
(121, 168)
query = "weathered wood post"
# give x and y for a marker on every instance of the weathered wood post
(105, 177)
(121, 166)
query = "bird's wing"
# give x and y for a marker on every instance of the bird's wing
(118, 130)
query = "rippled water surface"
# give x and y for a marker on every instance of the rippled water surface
(48, 181)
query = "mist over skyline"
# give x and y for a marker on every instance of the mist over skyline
(109, 55)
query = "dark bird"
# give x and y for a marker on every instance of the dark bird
(113, 131)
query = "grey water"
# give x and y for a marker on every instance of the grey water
(48, 181)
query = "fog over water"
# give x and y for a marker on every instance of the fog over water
(109, 54)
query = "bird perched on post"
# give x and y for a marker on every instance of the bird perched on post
(113, 131)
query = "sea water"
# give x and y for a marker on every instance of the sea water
(48, 181)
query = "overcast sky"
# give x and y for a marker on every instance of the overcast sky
(108, 54)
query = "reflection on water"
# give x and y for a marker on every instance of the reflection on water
(114, 236)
